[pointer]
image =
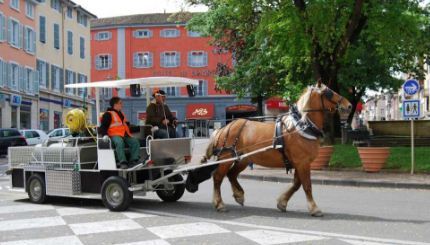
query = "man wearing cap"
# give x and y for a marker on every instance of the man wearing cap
(115, 125)
(158, 115)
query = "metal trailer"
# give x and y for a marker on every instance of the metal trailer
(75, 167)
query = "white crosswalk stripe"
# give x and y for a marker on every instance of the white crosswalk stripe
(79, 211)
(362, 242)
(150, 242)
(265, 237)
(24, 208)
(20, 224)
(104, 226)
(65, 240)
(185, 230)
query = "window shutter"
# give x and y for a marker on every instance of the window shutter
(9, 75)
(25, 39)
(3, 27)
(36, 82)
(24, 82)
(20, 38)
(97, 61)
(47, 75)
(42, 34)
(205, 59)
(162, 60)
(52, 77)
(109, 35)
(109, 61)
(21, 85)
(190, 59)
(70, 42)
(150, 61)
(9, 31)
(61, 80)
(33, 41)
(56, 36)
(74, 81)
(178, 59)
(97, 36)
(135, 60)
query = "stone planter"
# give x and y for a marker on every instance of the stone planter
(324, 155)
(373, 158)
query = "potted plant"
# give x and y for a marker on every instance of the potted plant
(323, 158)
(373, 158)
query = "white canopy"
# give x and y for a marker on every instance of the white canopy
(144, 82)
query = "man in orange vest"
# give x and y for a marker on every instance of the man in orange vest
(115, 125)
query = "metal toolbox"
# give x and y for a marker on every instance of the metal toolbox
(63, 183)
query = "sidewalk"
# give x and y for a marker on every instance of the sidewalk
(344, 178)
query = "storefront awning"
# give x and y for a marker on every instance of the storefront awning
(200, 111)
(276, 103)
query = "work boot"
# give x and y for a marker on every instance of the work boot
(123, 165)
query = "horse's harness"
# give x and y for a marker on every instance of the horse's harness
(305, 127)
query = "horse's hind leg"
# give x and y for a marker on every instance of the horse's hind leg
(238, 193)
(218, 177)
(305, 177)
(285, 197)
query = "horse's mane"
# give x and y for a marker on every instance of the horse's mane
(304, 98)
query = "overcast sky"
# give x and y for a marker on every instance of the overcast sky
(109, 8)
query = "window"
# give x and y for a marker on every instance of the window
(170, 59)
(194, 34)
(14, 4)
(142, 60)
(56, 76)
(82, 19)
(171, 91)
(169, 33)
(70, 79)
(14, 75)
(69, 12)
(82, 79)
(103, 35)
(43, 73)
(28, 81)
(70, 42)
(29, 40)
(82, 47)
(103, 62)
(56, 4)
(202, 89)
(143, 33)
(56, 36)
(15, 33)
(197, 59)
(42, 29)
(29, 9)
(2, 27)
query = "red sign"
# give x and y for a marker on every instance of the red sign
(276, 104)
(241, 108)
(200, 111)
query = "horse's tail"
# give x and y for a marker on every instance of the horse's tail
(210, 147)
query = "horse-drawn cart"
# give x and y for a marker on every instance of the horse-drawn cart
(85, 167)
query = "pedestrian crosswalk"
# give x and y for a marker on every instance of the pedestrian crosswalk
(25, 223)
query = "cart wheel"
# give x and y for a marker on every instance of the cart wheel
(175, 194)
(36, 188)
(115, 194)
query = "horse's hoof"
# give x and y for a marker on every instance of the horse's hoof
(240, 200)
(281, 207)
(317, 213)
(222, 210)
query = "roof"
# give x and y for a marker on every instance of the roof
(149, 82)
(79, 7)
(143, 19)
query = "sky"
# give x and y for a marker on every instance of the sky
(109, 8)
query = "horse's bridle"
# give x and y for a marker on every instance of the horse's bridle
(328, 93)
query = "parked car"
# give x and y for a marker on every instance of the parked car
(10, 137)
(34, 136)
(59, 133)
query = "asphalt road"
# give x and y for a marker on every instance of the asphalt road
(366, 216)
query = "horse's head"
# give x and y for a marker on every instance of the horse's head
(320, 98)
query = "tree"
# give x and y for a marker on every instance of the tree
(350, 45)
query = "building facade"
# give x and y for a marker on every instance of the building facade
(159, 45)
(63, 57)
(44, 44)
(18, 77)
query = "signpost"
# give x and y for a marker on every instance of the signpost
(411, 111)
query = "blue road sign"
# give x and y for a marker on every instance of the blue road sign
(411, 109)
(411, 87)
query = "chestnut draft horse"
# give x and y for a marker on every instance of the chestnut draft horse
(300, 135)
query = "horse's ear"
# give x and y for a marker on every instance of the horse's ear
(319, 82)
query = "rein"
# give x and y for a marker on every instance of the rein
(328, 93)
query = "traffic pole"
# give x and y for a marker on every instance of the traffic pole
(412, 147)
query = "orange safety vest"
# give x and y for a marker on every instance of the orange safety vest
(116, 127)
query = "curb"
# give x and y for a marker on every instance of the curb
(354, 183)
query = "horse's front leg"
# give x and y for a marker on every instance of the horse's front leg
(238, 192)
(285, 197)
(218, 177)
(304, 174)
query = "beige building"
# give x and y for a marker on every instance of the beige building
(63, 57)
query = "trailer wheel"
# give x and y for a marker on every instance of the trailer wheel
(176, 193)
(36, 188)
(115, 194)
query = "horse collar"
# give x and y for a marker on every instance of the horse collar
(305, 127)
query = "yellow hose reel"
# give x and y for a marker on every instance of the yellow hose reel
(76, 121)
